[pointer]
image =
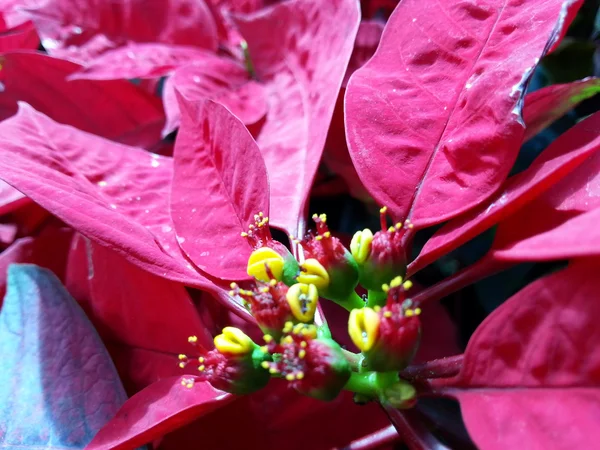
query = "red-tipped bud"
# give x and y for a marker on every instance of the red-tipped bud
(388, 336)
(380, 256)
(268, 304)
(235, 365)
(313, 366)
(335, 260)
(269, 253)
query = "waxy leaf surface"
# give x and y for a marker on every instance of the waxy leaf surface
(219, 79)
(524, 382)
(81, 30)
(58, 385)
(139, 60)
(114, 194)
(301, 60)
(116, 110)
(160, 408)
(556, 162)
(548, 104)
(220, 183)
(437, 109)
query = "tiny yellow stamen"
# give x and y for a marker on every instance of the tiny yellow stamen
(391, 229)
(302, 354)
(303, 344)
(290, 377)
(383, 210)
(201, 368)
(182, 357)
(323, 217)
(181, 365)
(288, 340)
(377, 308)
(288, 327)
(244, 234)
(264, 349)
(385, 288)
(299, 375)
(318, 238)
(303, 300)
(398, 225)
(264, 365)
(396, 282)
(273, 370)
(313, 272)
(387, 314)
(360, 246)
(363, 328)
(407, 285)
(262, 256)
(418, 311)
(327, 234)
(267, 338)
(201, 359)
(193, 339)
(233, 340)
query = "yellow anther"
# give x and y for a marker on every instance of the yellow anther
(303, 344)
(385, 288)
(396, 282)
(387, 314)
(232, 293)
(182, 357)
(264, 365)
(391, 229)
(290, 377)
(309, 331)
(264, 349)
(327, 234)
(201, 359)
(264, 290)
(262, 256)
(273, 283)
(181, 365)
(323, 217)
(273, 370)
(244, 234)
(318, 238)
(260, 214)
(193, 339)
(233, 340)
(409, 313)
(299, 375)
(233, 285)
(288, 327)
(187, 382)
(312, 272)
(360, 246)
(288, 340)
(407, 285)
(315, 216)
(417, 311)
(383, 210)
(398, 225)
(267, 338)
(302, 354)
(363, 328)
(303, 300)
(201, 368)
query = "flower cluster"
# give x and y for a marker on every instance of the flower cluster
(283, 299)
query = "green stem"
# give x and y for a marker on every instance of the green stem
(247, 60)
(362, 383)
(354, 301)
(376, 298)
(355, 359)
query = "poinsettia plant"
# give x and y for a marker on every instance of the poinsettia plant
(168, 278)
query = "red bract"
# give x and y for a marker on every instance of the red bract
(561, 157)
(116, 110)
(219, 183)
(450, 143)
(301, 61)
(531, 371)
(22, 37)
(80, 30)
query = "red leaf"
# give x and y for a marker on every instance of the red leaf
(219, 79)
(157, 410)
(117, 110)
(367, 40)
(136, 60)
(23, 37)
(301, 61)
(560, 158)
(80, 30)
(133, 307)
(440, 102)
(219, 184)
(525, 382)
(548, 104)
(114, 194)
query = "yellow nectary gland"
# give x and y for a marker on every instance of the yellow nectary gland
(363, 328)
(233, 341)
(303, 299)
(360, 246)
(313, 272)
(268, 256)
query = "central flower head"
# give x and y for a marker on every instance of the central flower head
(388, 336)
(312, 365)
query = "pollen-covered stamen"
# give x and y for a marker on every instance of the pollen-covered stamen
(183, 361)
(322, 228)
(258, 234)
(294, 348)
(188, 382)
